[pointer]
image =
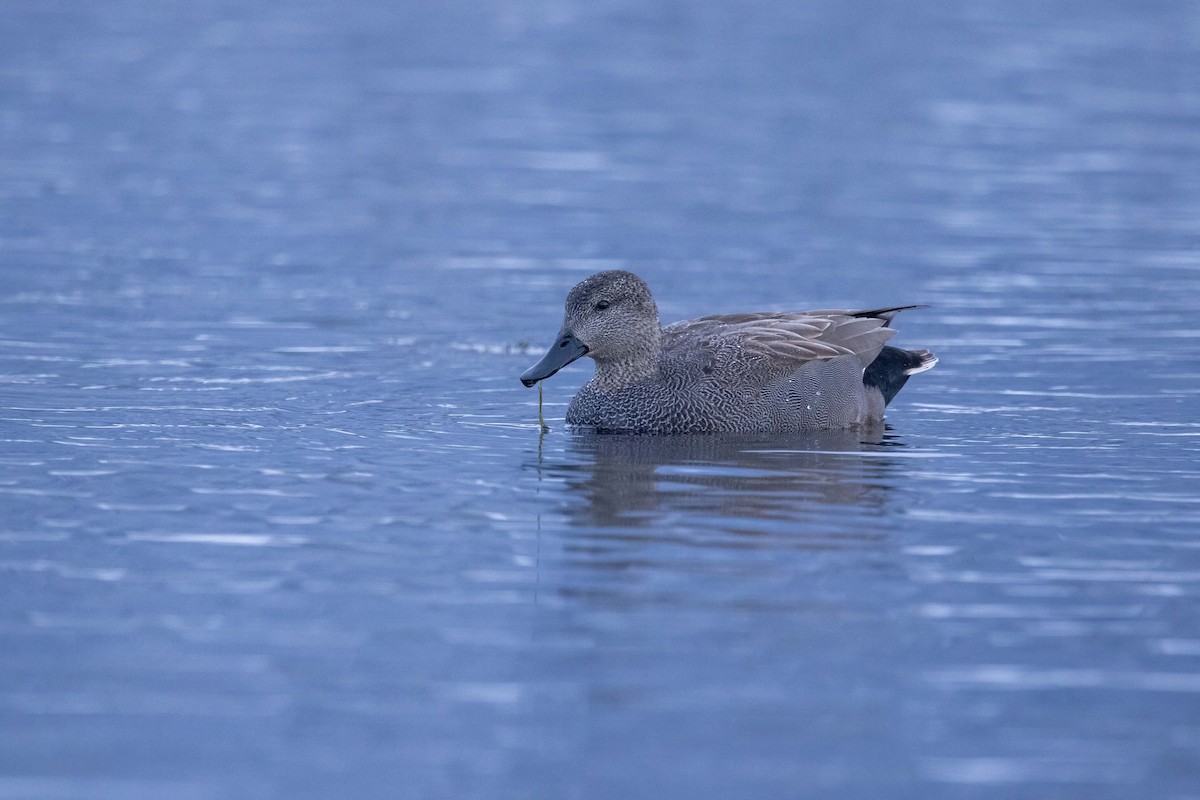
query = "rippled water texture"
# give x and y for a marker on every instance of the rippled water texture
(275, 516)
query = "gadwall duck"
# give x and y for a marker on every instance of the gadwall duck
(738, 373)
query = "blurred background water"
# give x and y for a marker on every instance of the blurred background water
(275, 516)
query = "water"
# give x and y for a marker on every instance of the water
(277, 519)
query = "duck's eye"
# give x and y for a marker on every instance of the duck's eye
(602, 304)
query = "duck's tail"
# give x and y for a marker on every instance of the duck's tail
(891, 368)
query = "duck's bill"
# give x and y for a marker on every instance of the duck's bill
(564, 350)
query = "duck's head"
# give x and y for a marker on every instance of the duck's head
(611, 317)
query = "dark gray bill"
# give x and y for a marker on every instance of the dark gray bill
(561, 353)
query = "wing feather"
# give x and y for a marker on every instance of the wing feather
(790, 340)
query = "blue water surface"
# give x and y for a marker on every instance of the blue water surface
(276, 518)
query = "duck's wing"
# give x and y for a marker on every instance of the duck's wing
(885, 314)
(789, 340)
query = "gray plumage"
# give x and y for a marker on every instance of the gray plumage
(761, 372)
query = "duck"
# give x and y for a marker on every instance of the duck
(760, 372)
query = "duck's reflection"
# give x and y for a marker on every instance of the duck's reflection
(728, 480)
